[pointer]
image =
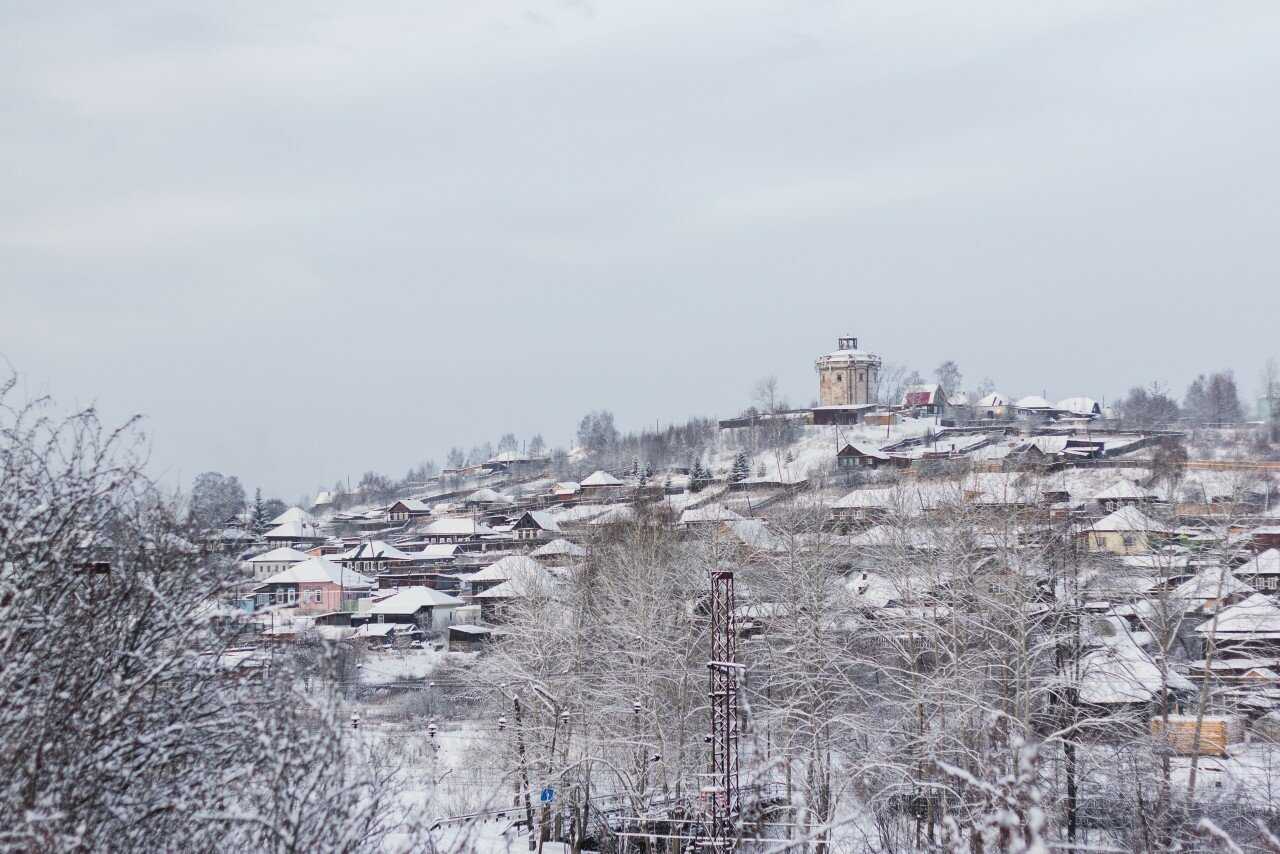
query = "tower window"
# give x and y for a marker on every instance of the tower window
(838, 378)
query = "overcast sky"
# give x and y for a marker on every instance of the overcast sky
(311, 239)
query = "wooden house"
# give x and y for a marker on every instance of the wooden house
(1126, 531)
(1262, 572)
(924, 400)
(430, 610)
(314, 586)
(373, 557)
(277, 560)
(408, 510)
(535, 526)
(855, 456)
(601, 484)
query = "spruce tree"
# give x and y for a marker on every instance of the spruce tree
(260, 519)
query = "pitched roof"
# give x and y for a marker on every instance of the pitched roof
(1212, 582)
(617, 514)
(413, 505)
(1256, 615)
(1122, 673)
(709, 513)
(1079, 406)
(486, 495)
(411, 599)
(559, 547)
(994, 399)
(873, 498)
(284, 554)
(374, 550)
(1266, 563)
(601, 478)
(863, 450)
(566, 486)
(318, 570)
(457, 527)
(921, 395)
(1128, 519)
(542, 519)
(297, 530)
(1032, 401)
(513, 566)
(1122, 489)
(293, 514)
(754, 533)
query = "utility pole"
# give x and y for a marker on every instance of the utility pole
(722, 788)
(524, 772)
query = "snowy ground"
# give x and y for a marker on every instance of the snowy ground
(391, 666)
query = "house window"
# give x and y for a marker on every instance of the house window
(1130, 539)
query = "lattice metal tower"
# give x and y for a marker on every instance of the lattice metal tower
(722, 789)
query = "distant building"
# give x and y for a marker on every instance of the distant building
(848, 376)
(924, 400)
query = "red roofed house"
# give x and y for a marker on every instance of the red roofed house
(925, 399)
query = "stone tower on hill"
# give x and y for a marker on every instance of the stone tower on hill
(848, 376)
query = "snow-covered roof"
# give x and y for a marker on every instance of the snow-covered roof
(486, 495)
(293, 514)
(615, 515)
(958, 399)
(1127, 519)
(755, 534)
(865, 450)
(1079, 406)
(513, 566)
(413, 505)
(374, 550)
(994, 399)
(318, 570)
(1266, 563)
(284, 554)
(580, 513)
(871, 498)
(921, 395)
(601, 478)
(848, 357)
(456, 527)
(544, 520)
(871, 590)
(1032, 401)
(1210, 583)
(411, 599)
(1122, 673)
(709, 513)
(1121, 490)
(1256, 615)
(376, 630)
(295, 530)
(564, 487)
(1045, 444)
(522, 584)
(556, 548)
(323, 498)
(434, 551)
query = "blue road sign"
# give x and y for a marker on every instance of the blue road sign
(547, 795)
